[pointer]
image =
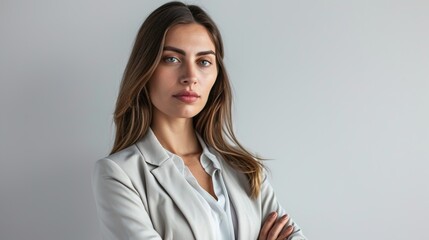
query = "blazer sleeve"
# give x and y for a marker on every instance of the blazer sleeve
(120, 209)
(270, 204)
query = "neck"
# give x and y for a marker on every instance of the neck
(176, 135)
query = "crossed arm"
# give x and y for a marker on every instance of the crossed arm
(129, 219)
(277, 224)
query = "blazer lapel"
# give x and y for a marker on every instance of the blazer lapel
(184, 197)
(173, 182)
(237, 186)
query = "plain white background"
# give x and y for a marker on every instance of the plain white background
(335, 92)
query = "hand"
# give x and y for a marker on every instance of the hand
(274, 229)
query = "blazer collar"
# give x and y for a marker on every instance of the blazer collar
(156, 154)
(176, 186)
(152, 149)
(170, 178)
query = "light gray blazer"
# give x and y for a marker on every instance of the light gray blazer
(140, 194)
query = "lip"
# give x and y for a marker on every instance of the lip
(187, 96)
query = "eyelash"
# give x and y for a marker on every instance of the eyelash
(176, 60)
(168, 59)
(207, 61)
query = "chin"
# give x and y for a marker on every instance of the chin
(187, 115)
(178, 112)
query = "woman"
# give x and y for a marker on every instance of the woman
(176, 170)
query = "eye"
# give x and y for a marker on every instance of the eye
(171, 60)
(205, 63)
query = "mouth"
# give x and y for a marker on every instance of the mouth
(187, 96)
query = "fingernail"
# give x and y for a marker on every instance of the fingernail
(273, 215)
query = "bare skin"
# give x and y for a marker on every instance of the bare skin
(191, 157)
(274, 228)
(189, 64)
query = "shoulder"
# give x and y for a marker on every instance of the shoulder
(125, 156)
(122, 164)
(125, 170)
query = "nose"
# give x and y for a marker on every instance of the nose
(189, 76)
(188, 81)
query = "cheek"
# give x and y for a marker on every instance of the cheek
(159, 83)
(155, 90)
(210, 80)
(208, 89)
(151, 88)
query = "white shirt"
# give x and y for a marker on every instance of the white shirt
(141, 194)
(223, 217)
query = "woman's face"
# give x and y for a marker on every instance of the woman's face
(182, 81)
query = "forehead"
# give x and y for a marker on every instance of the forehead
(189, 37)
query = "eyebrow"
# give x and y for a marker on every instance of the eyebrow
(180, 51)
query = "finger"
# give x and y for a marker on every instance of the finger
(278, 226)
(286, 232)
(268, 224)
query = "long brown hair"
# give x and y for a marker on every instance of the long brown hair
(133, 112)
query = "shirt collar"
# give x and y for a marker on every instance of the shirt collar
(156, 154)
(209, 161)
(208, 154)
